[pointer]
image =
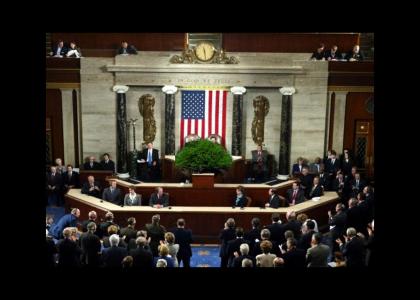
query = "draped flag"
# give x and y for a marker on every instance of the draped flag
(203, 113)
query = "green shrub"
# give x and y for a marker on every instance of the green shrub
(203, 156)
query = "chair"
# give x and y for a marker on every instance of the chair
(248, 201)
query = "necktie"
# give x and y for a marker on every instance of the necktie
(357, 183)
(149, 158)
(91, 165)
(294, 195)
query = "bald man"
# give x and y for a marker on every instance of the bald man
(92, 187)
(92, 164)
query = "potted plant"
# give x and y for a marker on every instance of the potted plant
(203, 156)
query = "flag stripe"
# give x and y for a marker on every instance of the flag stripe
(216, 115)
(224, 118)
(210, 112)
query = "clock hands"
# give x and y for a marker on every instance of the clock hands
(205, 56)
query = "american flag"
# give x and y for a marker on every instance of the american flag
(203, 113)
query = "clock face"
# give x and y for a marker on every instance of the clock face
(204, 51)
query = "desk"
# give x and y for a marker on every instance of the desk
(222, 194)
(206, 222)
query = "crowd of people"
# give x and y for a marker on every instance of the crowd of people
(333, 54)
(62, 49)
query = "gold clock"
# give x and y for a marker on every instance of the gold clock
(204, 51)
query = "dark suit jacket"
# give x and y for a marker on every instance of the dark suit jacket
(113, 256)
(55, 180)
(306, 181)
(183, 237)
(355, 253)
(164, 200)
(129, 50)
(316, 191)
(325, 181)
(251, 236)
(237, 262)
(114, 197)
(339, 222)
(72, 180)
(362, 184)
(336, 55)
(359, 56)
(241, 202)
(68, 253)
(91, 246)
(108, 166)
(276, 232)
(264, 157)
(294, 226)
(294, 259)
(331, 167)
(85, 224)
(305, 240)
(274, 201)
(142, 258)
(63, 50)
(318, 56)
(346, 167)
(233, 246)
(129, 233)
(156, 234)
(94, 192)
(96, 166)
(225, 236)
(336, 185)
(295, 168)
(300, 197)
(155, 156)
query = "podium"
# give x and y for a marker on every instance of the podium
(204, 180)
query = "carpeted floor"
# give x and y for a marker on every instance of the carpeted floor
(204, 256)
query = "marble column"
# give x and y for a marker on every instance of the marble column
(68, 126)
(170, 91)
(339, 120)
(121, 128)
(237, 114)
(285, 129)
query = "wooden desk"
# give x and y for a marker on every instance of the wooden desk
(206, 222)
(223, 194)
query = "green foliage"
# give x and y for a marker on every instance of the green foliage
(203, 156)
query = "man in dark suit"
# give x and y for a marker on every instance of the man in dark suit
(149, 163)
(315, 167)
(233, 245)
(107, 164)
(353, 249)
(159, 199)
(254, 233)
(183, 237)
(355, 216)
(59, 50)
(316, 190)
(127, 49)
(259, 164)
(306, 181)
(338, 221)
(294, 258)
(355, 55)
(156, 232)
(295, 195)
(92, 216)
(142, 255)
(333, 164)
(129, 232)
(298, 167)
(276, 229)
(333, 54)
(357, 184)
(244, 254)
(70, 179)
(92, 187)
(324, 179)
(240, 199)
(91, 246)
(92, 164)
(103, 227)
(112, 193)
(113, 256)
(293, 224)
(274, 200)
(305, 240)
(54, 187)
(319, 54)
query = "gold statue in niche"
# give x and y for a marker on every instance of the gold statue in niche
(261, 108)
(146, 103)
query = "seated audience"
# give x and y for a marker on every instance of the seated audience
(92, 187)
(159, 199)
(126, 49)
(319, 54)
(112, 193)
(92, 164)
(355, 54)
(333, 54)
(107, 163)
(240, 200)
(295, 195)
(73, 51)
(59, 50)
(274, 200)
